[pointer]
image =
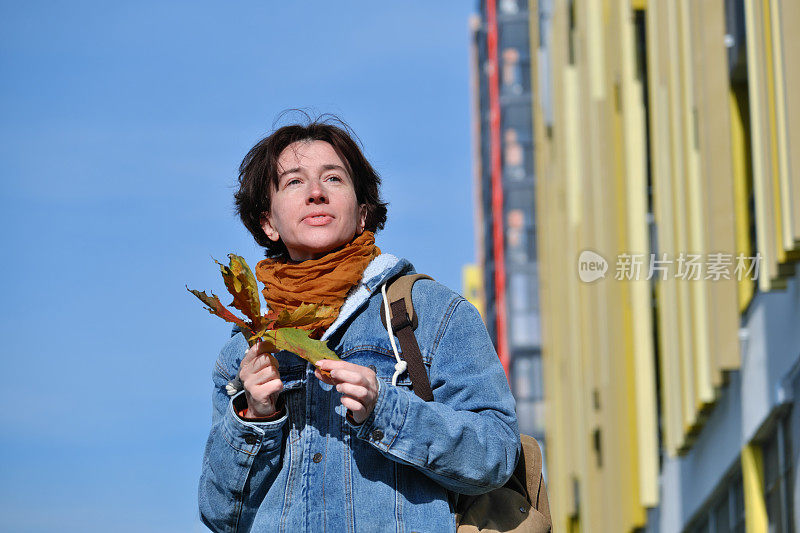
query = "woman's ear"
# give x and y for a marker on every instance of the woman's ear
(362, 218)
(269, 230)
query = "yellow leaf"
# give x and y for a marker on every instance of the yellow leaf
(298, 342)
(241, 283)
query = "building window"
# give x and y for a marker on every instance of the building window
(511, 72)
(512, 7)
(513, 155)
(514, 34)
(527, 384)
(777, 455)
(517, 116)
(517, 236)
(724, 512)
(737, 512)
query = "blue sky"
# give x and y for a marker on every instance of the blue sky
(122, 127)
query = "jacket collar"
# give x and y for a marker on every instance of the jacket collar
(381, 269)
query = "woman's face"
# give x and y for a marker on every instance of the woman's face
(314, 209)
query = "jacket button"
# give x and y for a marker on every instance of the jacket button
(317, 457)
(373, 368)
(250, 439)
(377, 434)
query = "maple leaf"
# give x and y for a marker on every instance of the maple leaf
(215, 307)
(271, 347)
(278, 328)
(298, 342)
(241, 283)
(302, 316)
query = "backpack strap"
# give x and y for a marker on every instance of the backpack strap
(404, 322)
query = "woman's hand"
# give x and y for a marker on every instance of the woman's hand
(262, 382)
(357, 384)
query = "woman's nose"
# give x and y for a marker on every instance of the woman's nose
(316, 193)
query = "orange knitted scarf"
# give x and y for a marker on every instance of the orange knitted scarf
(324, 281)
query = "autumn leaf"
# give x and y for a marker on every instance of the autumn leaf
(298, 342)
(277, 327)
(302, 316)
(215, 307)
(268, 344)
(242, 285)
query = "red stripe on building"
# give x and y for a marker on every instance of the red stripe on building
(497, 185)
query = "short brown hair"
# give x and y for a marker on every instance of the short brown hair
(258, 175)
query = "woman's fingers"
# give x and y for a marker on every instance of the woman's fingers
(341, 375)
(357, 384)
(261, 371)
(262, 392)
(357, 392)
(262, 398)
(261, 387)
(358, 409)
(344, 372)
(325, 378)
(267, 389)
(265, 360)
(262, 376)
(251, 354)
(256, 351)
(261, 379)
(255, 363)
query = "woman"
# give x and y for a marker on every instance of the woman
(296, 450)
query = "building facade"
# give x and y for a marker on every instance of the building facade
(505, 215)
(667, 208)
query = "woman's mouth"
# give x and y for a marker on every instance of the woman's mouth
(318, 220)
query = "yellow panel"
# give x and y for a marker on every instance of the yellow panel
(569, 249)
(677, 178)
(694, 198)
(620, 425)
(661, 163)
(755, 509)
(761, 146)
(784, 189)
(713, 115)
(594, 49)
(599, 349)
(743, 186)
(773, 123)
(639, 242)
(787, 22)
(564, 448)
(472, 280)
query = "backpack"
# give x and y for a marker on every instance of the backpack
(521, 504)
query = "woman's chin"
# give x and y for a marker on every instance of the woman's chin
(315, 250)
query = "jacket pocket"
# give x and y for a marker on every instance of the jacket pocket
(292, 369)
(381, 362)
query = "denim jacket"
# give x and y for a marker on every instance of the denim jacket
(313, 470)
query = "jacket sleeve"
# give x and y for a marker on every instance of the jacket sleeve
(241, 458)
(467, 440)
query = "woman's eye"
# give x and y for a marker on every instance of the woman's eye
(292, 181)
(335, 178)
